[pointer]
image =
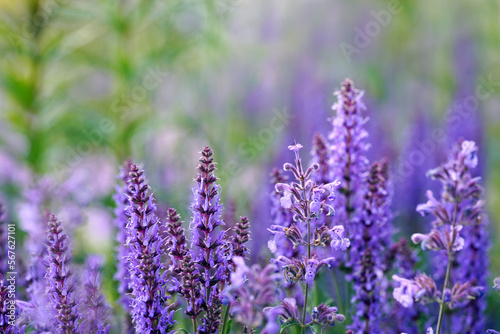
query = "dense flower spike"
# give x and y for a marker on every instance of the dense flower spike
(348, 149)
(241, 238)
(208, 243)
(176, 243)
(121, 201)
(370, 244)
(59, 277)
(96, 310)
(252, 289)
(190, 289)
(150, 311)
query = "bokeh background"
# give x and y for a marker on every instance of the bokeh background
(86, 84)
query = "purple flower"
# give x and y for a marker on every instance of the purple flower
(242, 236)
(338, 241)
(442, 239)
(121, 201)
(405, 293)
(325, 315)
(401, 258)
(251, 290)
(176, 243)
(209, 247)
(148, 279)
(8, 314)
(97, 310)
(368, 252)
(286, 311)
(348, 147)
(281, 217)
(59, 278)
(459, 209)
(496, 284)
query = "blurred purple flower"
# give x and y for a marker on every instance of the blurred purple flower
(252, 289)
(96, 310)
(60, 281)
(348, 162)
(122, 274)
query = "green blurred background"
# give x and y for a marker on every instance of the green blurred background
(86, 84)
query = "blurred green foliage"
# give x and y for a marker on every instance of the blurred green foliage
(157, 80)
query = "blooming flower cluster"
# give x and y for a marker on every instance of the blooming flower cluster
(306, 201)
(460, 205)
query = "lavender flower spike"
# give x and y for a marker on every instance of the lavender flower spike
(208, 243)
(97, 310)
(371, 243)
(150, 311)
(59, 277)
(348, 162)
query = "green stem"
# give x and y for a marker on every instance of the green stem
(337, 292)
(195, 326)
(448, 269)
(226, 316)
(304, 311)
(442, 304)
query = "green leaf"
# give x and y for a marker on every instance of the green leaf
(289, 324)
(315, 328)
(228, 326)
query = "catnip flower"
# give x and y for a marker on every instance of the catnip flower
(308, 202)
(437, 240)
(325, 315)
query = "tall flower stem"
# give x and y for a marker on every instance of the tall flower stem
(336, 284)
(306, 295)
(448, 270)
(442, 304)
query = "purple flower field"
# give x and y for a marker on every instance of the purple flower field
(333, 258)
(249, 166)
